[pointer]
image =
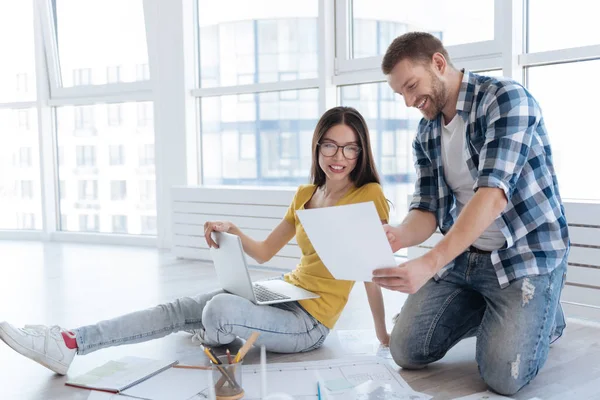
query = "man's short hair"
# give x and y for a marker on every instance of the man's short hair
(416, 46)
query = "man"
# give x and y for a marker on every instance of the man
(485, 178)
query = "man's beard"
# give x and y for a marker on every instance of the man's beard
(438, 97)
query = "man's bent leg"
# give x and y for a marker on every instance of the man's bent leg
(519, 323)
(435, 318)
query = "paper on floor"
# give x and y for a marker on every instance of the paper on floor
(372, 390)
(172, 384)
(98, 395)
(339, 378)
(349, 239)
(362, 341)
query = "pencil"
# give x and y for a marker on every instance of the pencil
(210, 355)
(192, 366)
(242, 353)
(218, 363)
(229, 356)
(318, 390)
(211, 351)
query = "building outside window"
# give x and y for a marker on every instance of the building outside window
(84, 117)
(114, 113)
(113, 74)
(119, 223)
(27, 190)
(89, 223)
(88, 190)
(148, 225)
(86, 156)
(146, 154)
(82, 76)
(118, 190)
(116, 154)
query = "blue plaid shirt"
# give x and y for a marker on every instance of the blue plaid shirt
(506, 147)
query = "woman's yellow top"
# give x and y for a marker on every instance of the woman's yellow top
(311, 274)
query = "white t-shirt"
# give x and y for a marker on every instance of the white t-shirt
(459, 179)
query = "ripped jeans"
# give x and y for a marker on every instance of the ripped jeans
(514, 326)
(283, 327)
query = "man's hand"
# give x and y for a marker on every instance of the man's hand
(408, 277)
(393, 236)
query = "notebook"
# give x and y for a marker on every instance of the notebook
(116, 376)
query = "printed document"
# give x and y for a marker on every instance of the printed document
(349, 239)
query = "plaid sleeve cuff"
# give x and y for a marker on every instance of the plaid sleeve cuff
(422, 203)
(493, 182)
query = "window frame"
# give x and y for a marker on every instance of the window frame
(176, 94)
(473, 56)
(60, 95)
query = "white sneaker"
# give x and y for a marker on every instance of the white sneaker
(199, 335)
(43, 344)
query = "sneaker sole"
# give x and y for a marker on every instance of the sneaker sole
(33, 355)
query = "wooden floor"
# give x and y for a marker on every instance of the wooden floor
(72, 285)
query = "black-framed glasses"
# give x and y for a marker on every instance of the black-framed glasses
(350, 151)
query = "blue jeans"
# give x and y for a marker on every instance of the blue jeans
(283, 328)
(514, 326)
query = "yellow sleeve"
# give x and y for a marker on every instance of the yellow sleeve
(374, 193)
(290, 215)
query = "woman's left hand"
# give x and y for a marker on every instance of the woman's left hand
(384, 338)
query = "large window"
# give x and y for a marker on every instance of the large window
(100, 42)
(375, 23)
(567, 110)
(255, 42)
(392, 127)
(577, 20)
(20, 194)
(261, 138)
(17, 69)
(97, 171)
(19, 172)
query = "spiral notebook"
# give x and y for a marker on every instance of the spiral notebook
(116, 376)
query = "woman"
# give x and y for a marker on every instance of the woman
(343, 172)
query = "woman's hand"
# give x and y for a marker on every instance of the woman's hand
(384, 338)
(216, 226)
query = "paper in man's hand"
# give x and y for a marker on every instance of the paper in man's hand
(349, 239)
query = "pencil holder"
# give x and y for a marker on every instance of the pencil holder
(228, 379)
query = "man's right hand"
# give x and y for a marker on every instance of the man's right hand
(215, 226)
(393, 236)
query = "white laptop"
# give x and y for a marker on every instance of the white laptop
(232, 272)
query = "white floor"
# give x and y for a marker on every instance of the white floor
(73, 285)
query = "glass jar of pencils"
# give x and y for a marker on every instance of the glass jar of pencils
(227, 377)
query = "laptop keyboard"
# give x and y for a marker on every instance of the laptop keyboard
(264, 294)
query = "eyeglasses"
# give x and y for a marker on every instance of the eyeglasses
(350, 151)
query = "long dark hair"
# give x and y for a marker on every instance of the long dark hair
(364, 172)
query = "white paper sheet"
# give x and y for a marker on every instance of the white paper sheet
(172, 384)
(362, 341)
(349, 239)
(338, 378)
(98, 395)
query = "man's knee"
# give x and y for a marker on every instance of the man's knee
(503, 384)
(504, 375)
(406, 349)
